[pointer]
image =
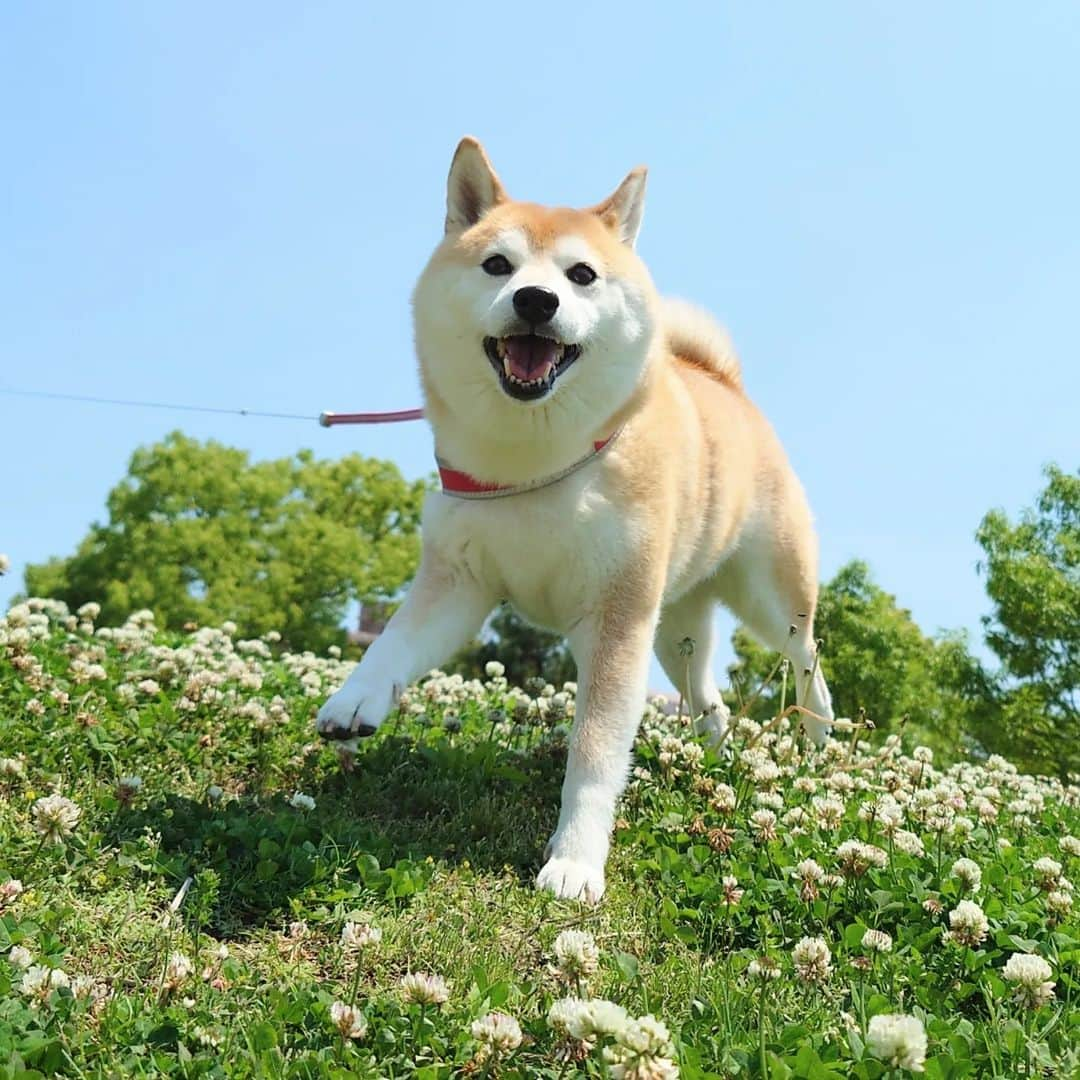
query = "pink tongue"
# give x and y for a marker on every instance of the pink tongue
(530, 358)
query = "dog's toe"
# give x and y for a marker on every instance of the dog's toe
(572, 880)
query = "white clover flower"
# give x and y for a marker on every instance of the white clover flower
(827, 811)
(877, 941)
(810, 876)
(1059, 903)
(87, 988)
(419, 988)
(40, 981)
(177, 971)
(642, 1051)
(494, 670)
(909, 843)
(12, 767)
(898, 1040)
(856, 858)
(149, 687)
(732, 893)
(349, 1020)
(763, 824)
(55, 817)
(764, 968)
(967, 872)
(1069, 844)
(923, 754)
(497, 1033)
(1030, 975)
(1048, 871)
(300, 801)
(20, 957)
(564, 1013)
(968, 924)
(356, 936)
(576, 954)
(10, 890)
(812, 960)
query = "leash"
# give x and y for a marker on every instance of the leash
(456, 483)
(332, 419)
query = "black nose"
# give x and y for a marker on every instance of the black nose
(535, 304)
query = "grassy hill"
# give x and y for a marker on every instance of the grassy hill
(191, 884)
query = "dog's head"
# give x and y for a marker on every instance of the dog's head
(530, 318)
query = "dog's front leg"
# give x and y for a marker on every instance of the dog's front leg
(612, 650)
(444, 608)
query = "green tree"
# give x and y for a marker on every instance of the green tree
(875, 658)
(525, 651)
(1032, 570)
(197, 532)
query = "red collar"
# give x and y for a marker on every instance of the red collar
(463, 486)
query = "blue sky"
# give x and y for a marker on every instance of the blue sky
(228, 205)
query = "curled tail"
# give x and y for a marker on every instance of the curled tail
(696, 338)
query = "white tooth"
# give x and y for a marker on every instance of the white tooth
(506, 364)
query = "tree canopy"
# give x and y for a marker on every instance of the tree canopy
(1032, 571)
(197, 532)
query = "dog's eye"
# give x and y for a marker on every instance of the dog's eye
(497, 266)
(581, 274)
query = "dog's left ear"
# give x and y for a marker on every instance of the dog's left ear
(472, 188)
(622, 210)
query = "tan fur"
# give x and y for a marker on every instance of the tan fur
(693, 504)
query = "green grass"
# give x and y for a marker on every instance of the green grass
(433, 835)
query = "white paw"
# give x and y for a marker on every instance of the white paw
(819, 733)
(350, 713)
(713, 724)
(571, 879)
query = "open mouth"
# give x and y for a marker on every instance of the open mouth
(528, 364)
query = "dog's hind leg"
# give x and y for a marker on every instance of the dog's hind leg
(612, 651)
(443, 609)
(770, 584)
(685, 643)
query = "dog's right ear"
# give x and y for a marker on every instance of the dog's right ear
(472, 188)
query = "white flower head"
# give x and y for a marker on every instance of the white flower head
(576, 954)
(968, 924)
(40, 981)
(55, 817)
(10, 890)
(300, 801)
(419, 988)
(356, 936)
(177, 971)
(1030, 976)
(812, 959)
(20, 957)
(967, 872)
(765, 968)
(898, 1040)
(642, 1051)
(877, 941)
(494, 670)
(497, 1033)
(349, 1020)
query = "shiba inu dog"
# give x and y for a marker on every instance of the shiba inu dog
(604, 470)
